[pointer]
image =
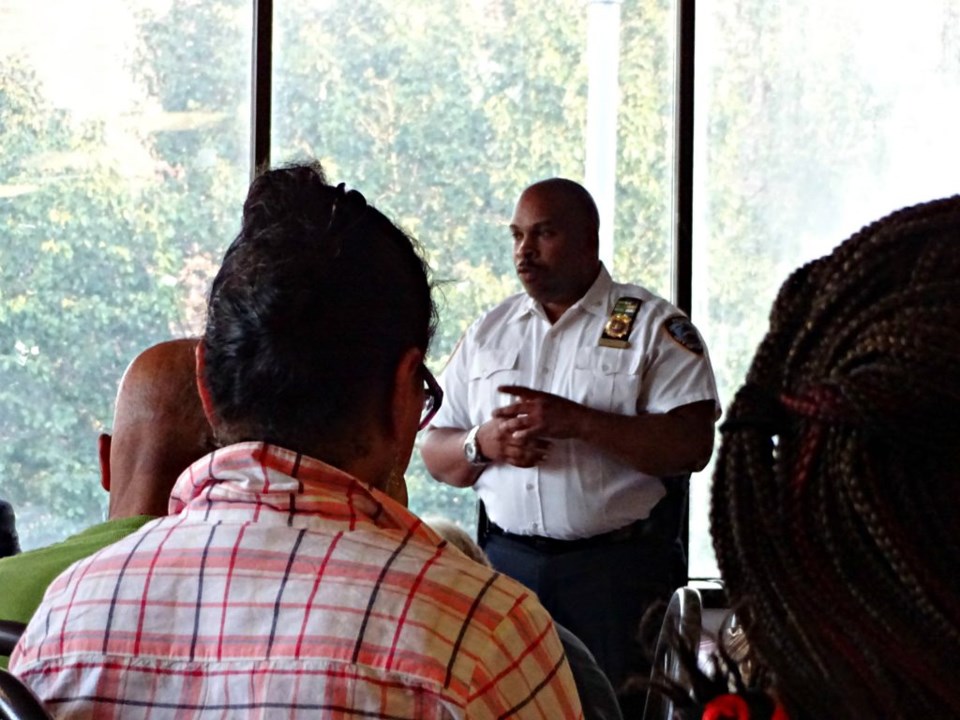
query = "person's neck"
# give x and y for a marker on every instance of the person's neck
(369, 471)
(555, 310)
(129, 510)
(369, 462)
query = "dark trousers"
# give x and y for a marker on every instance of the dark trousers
(600, 593)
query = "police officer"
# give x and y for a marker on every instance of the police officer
(564, 407)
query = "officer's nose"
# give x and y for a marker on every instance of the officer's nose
(526, 248)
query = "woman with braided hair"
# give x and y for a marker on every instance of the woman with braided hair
(834, 499)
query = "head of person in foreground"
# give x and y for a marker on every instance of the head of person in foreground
(317, 327)
(833, 507)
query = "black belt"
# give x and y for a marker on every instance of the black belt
(639, 529)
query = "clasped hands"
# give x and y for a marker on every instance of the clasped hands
(520, 433)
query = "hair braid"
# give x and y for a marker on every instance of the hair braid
(836, 539)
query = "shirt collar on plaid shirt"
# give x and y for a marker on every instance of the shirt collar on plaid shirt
(252, 476)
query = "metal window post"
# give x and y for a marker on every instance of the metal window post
(683, 170)
(261, 79)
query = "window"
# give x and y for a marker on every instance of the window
(125, 155)
(442, 118)
(813, 119)
(122, 156)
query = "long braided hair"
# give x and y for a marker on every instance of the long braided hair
(836, 498)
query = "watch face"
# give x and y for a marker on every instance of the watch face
(471, 449)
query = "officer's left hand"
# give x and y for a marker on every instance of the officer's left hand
(538, 414)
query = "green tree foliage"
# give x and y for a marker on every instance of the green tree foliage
(193, 61)
(80, 258)
(786, 119)
(441, 126)
(645, 137)
(440, 113)
(441, 119)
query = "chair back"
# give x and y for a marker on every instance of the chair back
(683, 621)
(17, 701)
(10, 632)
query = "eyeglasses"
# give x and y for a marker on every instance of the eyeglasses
(432, 397)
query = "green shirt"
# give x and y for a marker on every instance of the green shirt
(24, 578)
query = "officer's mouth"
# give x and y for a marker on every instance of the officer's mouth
(527, 270)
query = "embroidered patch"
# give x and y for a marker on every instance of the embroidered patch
(620, 323)
(683, 331)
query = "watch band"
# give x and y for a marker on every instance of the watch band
(471, 448)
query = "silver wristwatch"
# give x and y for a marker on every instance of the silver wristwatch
(471, 448)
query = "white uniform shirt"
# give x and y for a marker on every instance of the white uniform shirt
(578, 491)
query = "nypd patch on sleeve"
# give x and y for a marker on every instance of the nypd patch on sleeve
(682, 331)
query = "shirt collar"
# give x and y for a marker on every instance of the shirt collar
(260, 474)
(595, 300)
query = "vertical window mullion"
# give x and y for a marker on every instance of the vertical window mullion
(683, 189)
(262, 83)
(683, 172)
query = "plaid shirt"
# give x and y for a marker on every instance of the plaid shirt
(281, 586)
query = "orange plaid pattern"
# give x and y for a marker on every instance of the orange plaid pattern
(283, 587)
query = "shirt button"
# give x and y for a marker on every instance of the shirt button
(545, 370)
(529, 486)
(535, 526)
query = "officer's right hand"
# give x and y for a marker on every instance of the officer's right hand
(499, 442)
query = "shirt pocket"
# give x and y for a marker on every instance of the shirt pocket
(489, 369)
(607, 379)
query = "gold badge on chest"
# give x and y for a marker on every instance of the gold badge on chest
(620, 323)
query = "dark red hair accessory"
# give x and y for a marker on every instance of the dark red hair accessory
(779, 713)
(727, 707)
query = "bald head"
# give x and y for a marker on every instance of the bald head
(158, 429)
(575, 197)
